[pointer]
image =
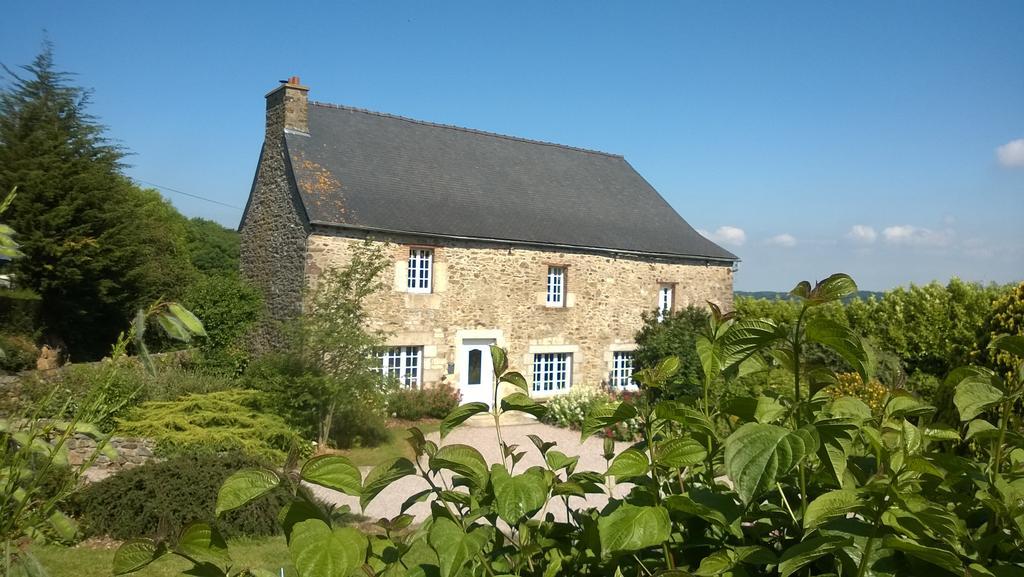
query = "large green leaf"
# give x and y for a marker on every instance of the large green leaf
(755, 409)
(803, 554)
(516, 379)
(938, 557)
(334, 472)
(522, 403)
(629, 463)
(203, 544)
(460, 414)
(383, 475)
(189, 320)
(519, 496)
(606, 415)
(831, 505)
(840, 339)
(245, 486)
(631, 528)
(499, 359)
(974, 395)
(318, 550)
(836, 439)
(454, 546)
(756, 454)
(680, 452)
(136, 554)
(833, 288)
(743, 339)
(1013, 344)
(462, 460)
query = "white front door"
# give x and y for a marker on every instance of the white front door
(476, 373)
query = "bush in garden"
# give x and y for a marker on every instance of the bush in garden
(165, 496)
(226, 421)
(413, 404)
(673, 335)
(810, 485)
(873, 393)
(569, 410)
(20, 353)
(355, 426)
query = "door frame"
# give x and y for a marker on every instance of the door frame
(497, 335)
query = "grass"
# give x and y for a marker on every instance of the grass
(396, 447)
(87, 560)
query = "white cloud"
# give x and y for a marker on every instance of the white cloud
(862, 233)
(785, 240)
(1011, 154)
(732, 235)
(916, 236)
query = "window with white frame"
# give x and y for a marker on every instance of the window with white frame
(556, 286)
(622, 370)
(421, 261)
(404, 364)
(552, 372)
(665, 295)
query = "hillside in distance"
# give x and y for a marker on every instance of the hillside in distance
(785, 296)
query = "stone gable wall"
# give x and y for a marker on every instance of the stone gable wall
(483, 290)
(273, 235)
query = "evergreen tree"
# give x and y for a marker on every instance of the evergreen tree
(96, 246)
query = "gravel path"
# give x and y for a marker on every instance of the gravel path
(481, 435)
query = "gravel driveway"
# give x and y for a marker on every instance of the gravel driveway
(481, 435)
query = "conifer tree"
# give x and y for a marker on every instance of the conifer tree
(96, 246)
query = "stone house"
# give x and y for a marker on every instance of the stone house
(548, 250)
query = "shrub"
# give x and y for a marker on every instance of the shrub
(414, 404)
(298, 392)
(873, 392)
(675, 335)
(125, 384)
(166, 496)
(19, 310)
(225, 421)
(229, 306)
(354, 426)
(569, 410)
(19, 353)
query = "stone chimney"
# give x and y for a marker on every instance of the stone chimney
(288, 108)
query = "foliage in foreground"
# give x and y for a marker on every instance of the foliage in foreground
(35, 475)
(813, 484)
(212, 423)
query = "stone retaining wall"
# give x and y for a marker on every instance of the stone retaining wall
(131, 452)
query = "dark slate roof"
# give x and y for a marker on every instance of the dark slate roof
(371, 170)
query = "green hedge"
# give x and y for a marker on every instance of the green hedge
(164, 497)
(19, 311)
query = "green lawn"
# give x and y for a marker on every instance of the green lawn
(396, 447)
(269, 553)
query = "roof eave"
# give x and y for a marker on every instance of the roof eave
(534, 244)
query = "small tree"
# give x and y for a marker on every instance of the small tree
(331, 353)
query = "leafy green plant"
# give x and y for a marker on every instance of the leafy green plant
(673, 334)
(226, 421)
(807, 484)
(19, 353)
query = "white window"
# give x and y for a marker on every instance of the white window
(552, 372)
(420, 263)
(404, 364)
(556, 286)
(622, 371)
(665, 300)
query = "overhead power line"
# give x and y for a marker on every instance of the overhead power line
(189, 194)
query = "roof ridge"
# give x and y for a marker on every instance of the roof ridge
(463, 129)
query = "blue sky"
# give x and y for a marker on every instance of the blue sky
(881, 139)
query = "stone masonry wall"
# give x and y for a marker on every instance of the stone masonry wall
(484, 290)
(273, 232)
(131, 452)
